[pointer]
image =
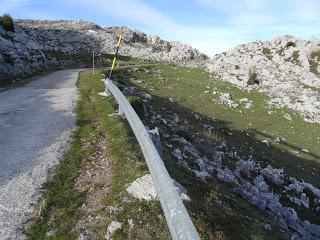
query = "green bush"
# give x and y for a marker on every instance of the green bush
(137, 104)
(6, 22)
(253, 77)
(7, 58)
(290, 44)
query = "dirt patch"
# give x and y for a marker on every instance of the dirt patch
(94, 181)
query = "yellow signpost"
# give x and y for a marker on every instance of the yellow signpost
(115, 56)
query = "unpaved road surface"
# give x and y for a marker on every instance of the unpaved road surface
(36, 122)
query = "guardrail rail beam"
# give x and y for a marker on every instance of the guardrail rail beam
(177, 217)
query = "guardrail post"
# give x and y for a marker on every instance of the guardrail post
(155, 137)
(106, 92)
(121, 113)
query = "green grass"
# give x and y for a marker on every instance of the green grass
(192, 89)
(216, 211)
(62, 209)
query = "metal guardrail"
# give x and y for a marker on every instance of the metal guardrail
(177, 217)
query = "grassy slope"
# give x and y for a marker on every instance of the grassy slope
(61, 210)
(187, 88)
(215, 209)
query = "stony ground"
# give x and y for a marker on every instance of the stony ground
(287, 70)
(36, 124)
(38, 45)
(232, 142)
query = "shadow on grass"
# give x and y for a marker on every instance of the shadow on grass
(215, 207)
(245, 142)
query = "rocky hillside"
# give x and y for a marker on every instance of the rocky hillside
(36, 45)
(286, 68)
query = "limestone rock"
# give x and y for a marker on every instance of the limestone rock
(39, 44)
(284, 70)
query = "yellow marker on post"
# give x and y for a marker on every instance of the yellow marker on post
(115, 55)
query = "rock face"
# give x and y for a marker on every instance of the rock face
(287, 70)
(39, 45)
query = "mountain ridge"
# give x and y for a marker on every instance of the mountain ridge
(37, 44)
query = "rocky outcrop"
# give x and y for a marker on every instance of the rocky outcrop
(287, 69)
(37, 45)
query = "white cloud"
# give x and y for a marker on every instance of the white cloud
(135, 11)
(8, 5)
(208, 39)
(241, 20)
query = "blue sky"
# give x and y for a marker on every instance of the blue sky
(212, 26)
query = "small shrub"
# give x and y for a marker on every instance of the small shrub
(253, 77)
(7, 58)
(315, 55)
(168, 47)
(290, 44)
(6, 22)
(137, 104)
(314, 62)
(267, 52)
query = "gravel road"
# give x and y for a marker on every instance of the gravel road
(36, 122)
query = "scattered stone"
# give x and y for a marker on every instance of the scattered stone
(85, 236)
(273, 174)
(302, 200)
(266, 142)
(246, 166)
(51, 233)
(268, 227)
(225, 99)
(111, 209)
(131, 224)
(143, 188)
(178, 155)
(247, 103)
(112, 228)
(133, 91)
(226, 175)
(202, 175)
(252, 182)
(287, 116)
(283, 73)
